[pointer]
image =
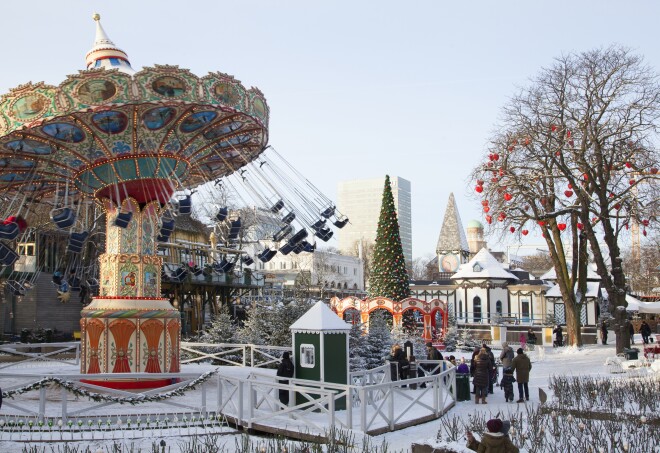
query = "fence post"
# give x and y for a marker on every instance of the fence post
(331, 410)
(391, 406)
(363, 409)
(219, 402)
(204, 399)
(349, 406)
(64, 405)
(240, 402)
(250, 404)
(42, 402)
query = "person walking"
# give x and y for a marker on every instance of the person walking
(603, 332)
(631, 331)
(559, 336)
(507, 355)
(645, 330)
(482, 367)
(522, 366)
(285, 369)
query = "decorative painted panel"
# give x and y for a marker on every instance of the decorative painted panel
(122, 346)
(153, 345)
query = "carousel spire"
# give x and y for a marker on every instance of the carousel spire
(105, 54)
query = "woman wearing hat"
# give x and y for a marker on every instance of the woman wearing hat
(494, 440)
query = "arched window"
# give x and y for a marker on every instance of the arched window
(498, 307)
(476, 308)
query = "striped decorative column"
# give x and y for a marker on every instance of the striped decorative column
(129, 328)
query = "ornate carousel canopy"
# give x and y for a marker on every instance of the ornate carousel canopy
(112, 132)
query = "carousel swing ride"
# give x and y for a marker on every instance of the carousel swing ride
(117, 155)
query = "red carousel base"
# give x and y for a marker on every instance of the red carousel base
(132, 384)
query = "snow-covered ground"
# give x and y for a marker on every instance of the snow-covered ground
(588, 361)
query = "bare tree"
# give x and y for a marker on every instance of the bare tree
(575, 155)
(537, 264)
(420, 268)
(643, 268)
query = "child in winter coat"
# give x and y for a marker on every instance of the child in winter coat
(507, 384)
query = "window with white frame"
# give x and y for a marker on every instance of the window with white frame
(307, 355)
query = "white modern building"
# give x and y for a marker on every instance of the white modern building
(360, 200)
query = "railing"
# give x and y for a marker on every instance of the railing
(22, 353)
(245, 355)
(471, 317)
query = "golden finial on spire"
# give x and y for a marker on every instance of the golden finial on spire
(96, 17)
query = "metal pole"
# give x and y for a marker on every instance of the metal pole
(64, 404)
(42, 402)
(204, 399)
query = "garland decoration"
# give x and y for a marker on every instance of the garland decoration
(99, 397)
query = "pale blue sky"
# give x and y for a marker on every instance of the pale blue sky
(356, 89)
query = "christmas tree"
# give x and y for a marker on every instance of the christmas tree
(389, 277)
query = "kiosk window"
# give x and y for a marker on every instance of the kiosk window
(307, 356)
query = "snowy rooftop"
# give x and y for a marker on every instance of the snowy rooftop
(320, 318)
(593, 291)
(591, 273)
(483, 265)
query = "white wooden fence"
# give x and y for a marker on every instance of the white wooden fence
(370, 402)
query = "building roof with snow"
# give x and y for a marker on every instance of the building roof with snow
(591, 273)
(320, 318)
(593, 291)
(483, 266)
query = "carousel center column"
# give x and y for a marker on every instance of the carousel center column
(129, 328)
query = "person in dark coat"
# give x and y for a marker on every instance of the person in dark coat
(285, 369)
(507, 384)
(482, 367)
(522, 366)
(494, 440)
(473, 363)
(531, 338)
(492, 376)
(559, 336)
(398, 357)
(645, 330)
(631, 331)
(603, 332)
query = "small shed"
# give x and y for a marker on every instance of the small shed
(320, 346)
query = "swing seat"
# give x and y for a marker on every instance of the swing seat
(324, 234)
(185, 205)
(224, 266)
(318, 225)
(166, 230)
(299, 236)
(222, 214)
(247, 260)
(7, 255)
(286, 249)
(341, 223)
(63, 217)
(179, 273)
(307, 247)
(123, 218)
(284, 232)
(76, 241)
(328, 212)
(74, 284)
(16, 287)
(234, 229)
(289, 218)
(277, 207)
(8, 231)
(266, 255)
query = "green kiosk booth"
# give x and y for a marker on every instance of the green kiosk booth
(320, 347)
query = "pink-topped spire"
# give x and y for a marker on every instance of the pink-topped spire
(105, 54)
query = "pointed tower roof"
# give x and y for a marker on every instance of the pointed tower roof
(320, 318)
(452, 234)
(105, 54)
(483, 266)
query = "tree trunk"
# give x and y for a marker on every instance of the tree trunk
(573, 324)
